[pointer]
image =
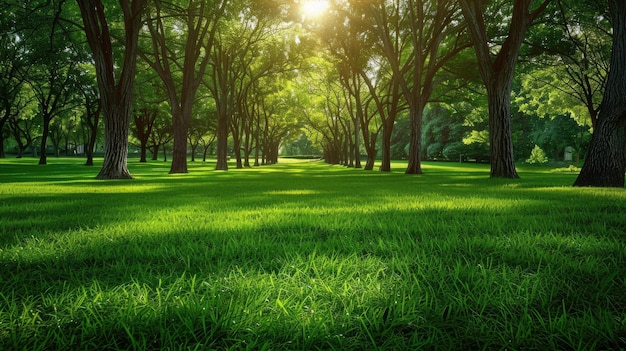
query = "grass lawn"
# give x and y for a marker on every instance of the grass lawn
(304, 255)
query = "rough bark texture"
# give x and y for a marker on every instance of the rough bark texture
(115, 95)
(502, 159)
(606, 159)
(222, 142)
(415, 144)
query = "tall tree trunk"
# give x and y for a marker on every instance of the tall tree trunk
(222, 142)
(502, 158)
(43, 159)
(180, 127)
(357, 144)
(2, 124)
(93, 117)
(415, 144)
(385, 163)
(606, 159)
(143, 151)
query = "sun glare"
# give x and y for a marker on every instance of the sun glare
(314, 8)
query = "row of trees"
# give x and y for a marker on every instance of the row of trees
(217, 69)
(249, 75)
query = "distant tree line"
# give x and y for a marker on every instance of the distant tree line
(371, 81)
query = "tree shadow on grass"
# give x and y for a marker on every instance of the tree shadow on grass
(456, 256)
(502, 246)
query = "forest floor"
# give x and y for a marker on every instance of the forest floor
(304, 255)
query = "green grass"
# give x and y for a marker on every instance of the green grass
(304, 255)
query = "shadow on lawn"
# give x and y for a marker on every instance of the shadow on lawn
(514, 238)
(577, 289)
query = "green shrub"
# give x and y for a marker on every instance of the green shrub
(537, 156)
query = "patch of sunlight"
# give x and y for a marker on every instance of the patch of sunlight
(292, 192)
(78, 187)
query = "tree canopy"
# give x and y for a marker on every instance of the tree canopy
(250, 80)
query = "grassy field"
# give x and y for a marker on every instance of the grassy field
(304, 255)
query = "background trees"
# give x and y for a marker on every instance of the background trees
(251, 79)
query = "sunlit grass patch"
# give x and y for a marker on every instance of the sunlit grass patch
(304, 255)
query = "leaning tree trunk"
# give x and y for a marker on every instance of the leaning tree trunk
(606, 159)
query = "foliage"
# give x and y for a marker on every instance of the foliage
(308, 256)
(537, 156)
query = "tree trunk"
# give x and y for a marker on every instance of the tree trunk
(179, 151)
(415, 144)
(92, 120)
(385, 163)
(155, 151)
(357, 144)
(2, 123)
(606, 158)
(43, 159)
(143, 151)
(222, 143)
(501, 158)
(116, 126)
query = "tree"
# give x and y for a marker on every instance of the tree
(497, 73)
(244, 41)
(23, 126)
(144, 122)
(606, 158)
(12, 76)
(115, 93)
(182, 35)
(569, 57)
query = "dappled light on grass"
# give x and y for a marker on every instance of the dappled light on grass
(306, 255)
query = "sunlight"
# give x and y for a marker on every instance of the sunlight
(314, 8)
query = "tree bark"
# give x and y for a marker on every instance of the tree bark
(502, 158)
(222, 142)
(385, 162)
(415, 144)
(606, 159)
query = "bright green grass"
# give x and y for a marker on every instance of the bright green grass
(308, 256)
